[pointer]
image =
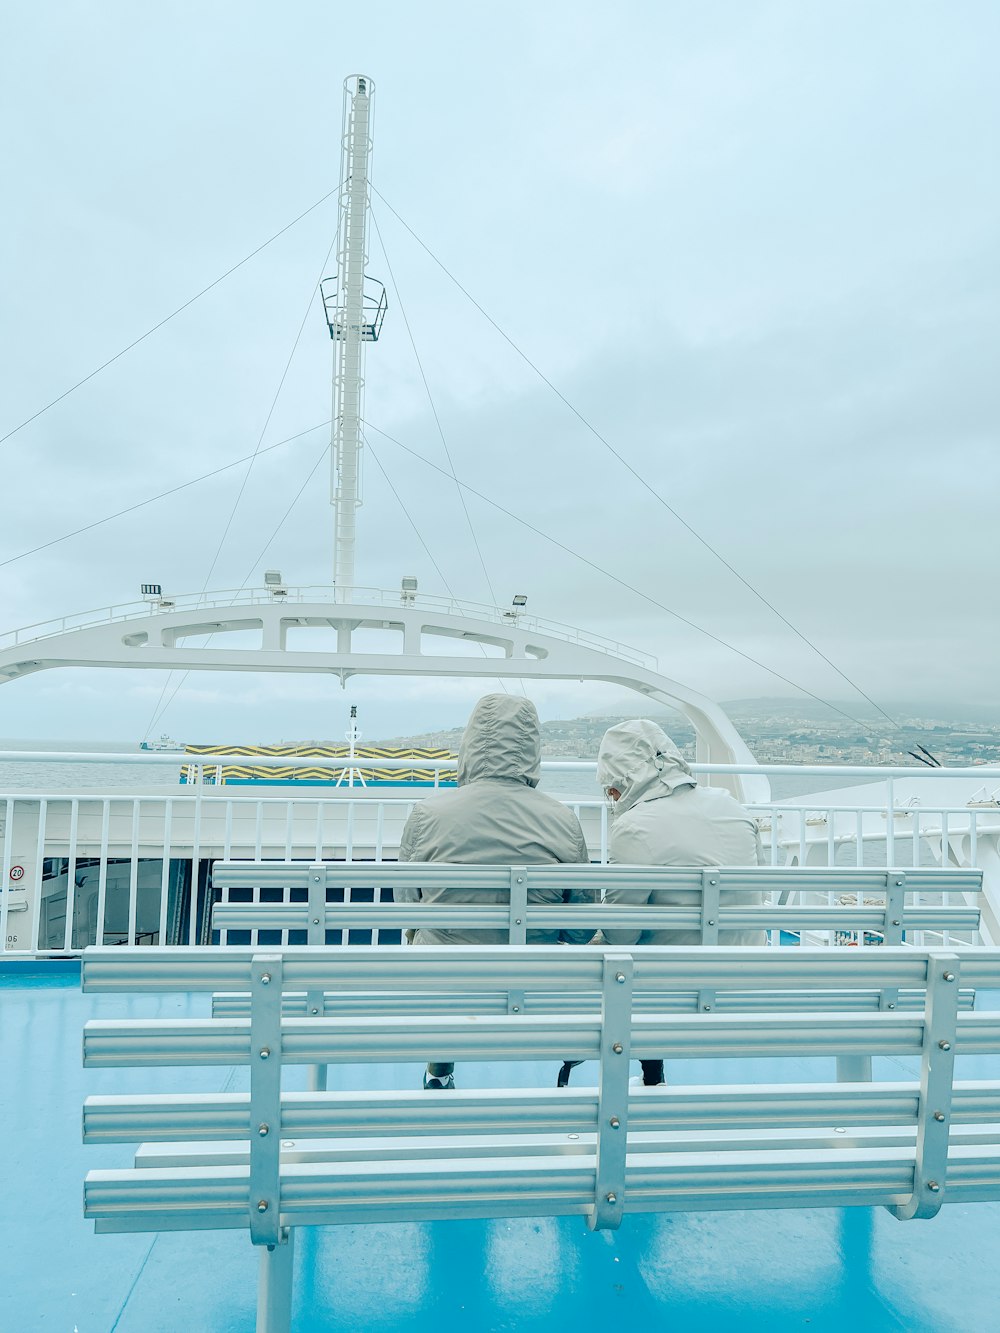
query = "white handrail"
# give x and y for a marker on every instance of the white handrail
(124, 611)
(871, 772)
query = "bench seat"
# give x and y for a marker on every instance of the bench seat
(274, 1159)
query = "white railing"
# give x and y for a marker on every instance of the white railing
(982, 774)
(99, 865)
(125, 611)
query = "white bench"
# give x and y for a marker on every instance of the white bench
(852, 899)
(223, 1159)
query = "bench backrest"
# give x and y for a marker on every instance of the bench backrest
(884, 902)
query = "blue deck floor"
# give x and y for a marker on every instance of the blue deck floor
(818, 1270)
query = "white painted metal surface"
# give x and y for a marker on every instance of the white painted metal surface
(137, 852)
(512, 649)
(349, 341)
(380, 597)
(597, 1152)
(830, 899)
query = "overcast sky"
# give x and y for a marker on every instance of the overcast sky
(754, 244)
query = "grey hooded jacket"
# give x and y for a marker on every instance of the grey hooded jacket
(495, 817)
(663, 818)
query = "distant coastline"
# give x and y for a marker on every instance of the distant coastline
(776, 730)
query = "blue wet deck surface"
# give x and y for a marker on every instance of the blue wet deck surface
(818, 1269)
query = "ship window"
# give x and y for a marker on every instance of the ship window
(442, 643)
(377, 639)
(311, 638)
(247, 636)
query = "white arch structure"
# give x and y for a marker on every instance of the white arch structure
(159, 637)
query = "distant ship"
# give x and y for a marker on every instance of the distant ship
(350, 773)
(165, 743)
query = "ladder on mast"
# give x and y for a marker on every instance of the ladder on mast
(355, 307)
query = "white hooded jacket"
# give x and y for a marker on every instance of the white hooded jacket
(495, 817)
(663, 818)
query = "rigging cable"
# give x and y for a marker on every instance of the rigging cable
(167, 318)
(270, 412)
(409, 518)
(635, 473)
(160, 710)
(141, 504)
(284, 519)
(434, 411)
(158, 715)
(646, 597)
(440, 429)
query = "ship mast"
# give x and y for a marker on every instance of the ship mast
(354, 311)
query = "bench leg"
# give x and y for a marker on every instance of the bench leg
(316, 1078)
(274, 1286)
(854, 1069)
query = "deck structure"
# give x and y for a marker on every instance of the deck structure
(823, 1270)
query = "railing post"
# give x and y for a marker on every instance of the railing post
(710, 904)
(892, 926)
(710, 878)
(102, 876)
(895, 905)
(517, 933)
(937, 1072)
(316, 934)
(316, 926)
(5, 883)
(265, 1098)
(39, 867)
(890, 823)
(612, 1102)
(74, 826)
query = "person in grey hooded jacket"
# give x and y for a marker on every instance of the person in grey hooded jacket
(495, 817)
(661, 817)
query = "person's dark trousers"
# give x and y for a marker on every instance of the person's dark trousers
(442, 1071)
(652, 1072)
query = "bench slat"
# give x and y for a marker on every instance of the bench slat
(671, 1002)
(369, 874)
(619, 916)
(110, 1043)
(314, 1194)
(184, 1117)
(442, 1147)
(535, 967)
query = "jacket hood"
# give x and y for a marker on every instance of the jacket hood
(642, 762)
(502, 739)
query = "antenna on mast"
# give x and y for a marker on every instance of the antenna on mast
(355, 307)
(352, 773)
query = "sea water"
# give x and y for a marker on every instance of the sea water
(67, 776)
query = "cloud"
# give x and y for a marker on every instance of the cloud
(755, 251)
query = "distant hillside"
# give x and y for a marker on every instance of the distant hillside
(572, 738)
(779, 731)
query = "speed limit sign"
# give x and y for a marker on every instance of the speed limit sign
(16, 873)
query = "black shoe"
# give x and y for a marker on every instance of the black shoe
(436, 1083)
(652, 1073)
(562, 1078)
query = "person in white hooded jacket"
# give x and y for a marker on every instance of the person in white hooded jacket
(661, 817)
(495, 817)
